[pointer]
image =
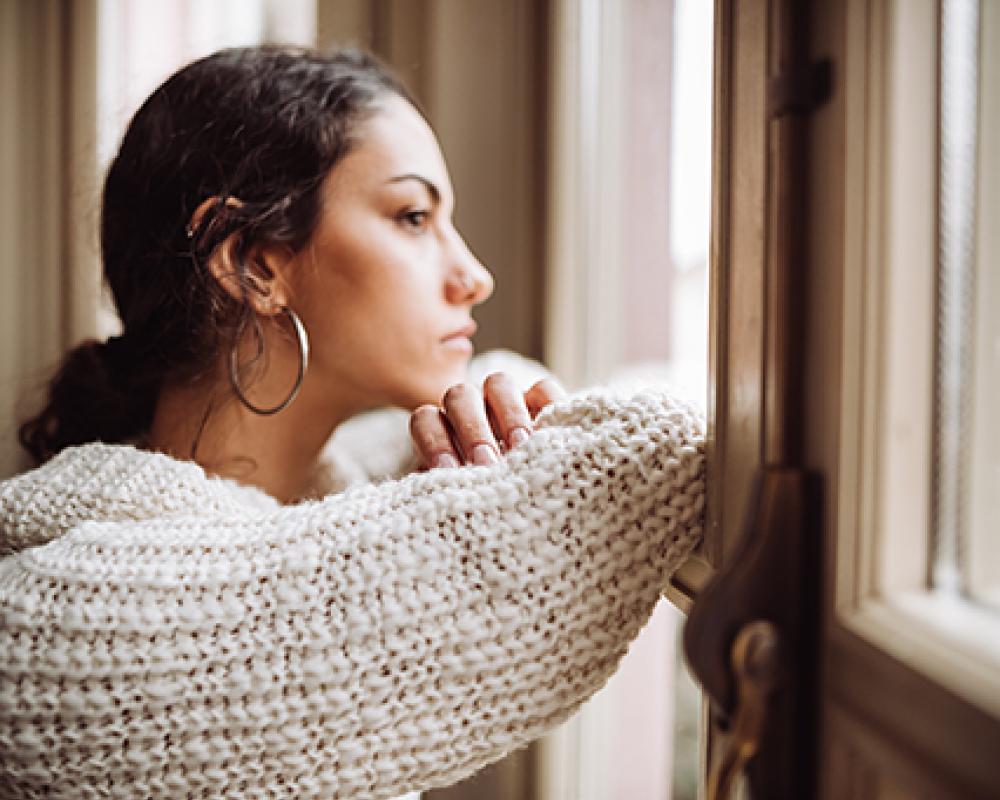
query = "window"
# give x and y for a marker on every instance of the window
(927, 473)
(833, 328)
(913, 659)
(627, 301)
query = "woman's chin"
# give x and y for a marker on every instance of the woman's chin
(434, 394)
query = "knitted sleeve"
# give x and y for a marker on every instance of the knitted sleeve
(391, 638)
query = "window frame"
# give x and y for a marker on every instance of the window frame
(910, 676)
(888, 339)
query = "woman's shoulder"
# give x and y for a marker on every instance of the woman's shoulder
(98, 482)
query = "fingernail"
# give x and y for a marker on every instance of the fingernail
(445, 460)
(483, 455)
(518, 436)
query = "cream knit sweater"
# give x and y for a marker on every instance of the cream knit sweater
(164, 634)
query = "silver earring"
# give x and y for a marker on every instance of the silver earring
(303, 342)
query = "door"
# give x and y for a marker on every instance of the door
(855, 358)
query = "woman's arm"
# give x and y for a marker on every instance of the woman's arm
(394, 637)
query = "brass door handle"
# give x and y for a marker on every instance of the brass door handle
(756, 667)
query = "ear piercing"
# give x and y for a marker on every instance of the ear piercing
(206, 205)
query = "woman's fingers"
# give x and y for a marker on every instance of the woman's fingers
(546, 391)
(432, 436)
(507, 410)
(470, 426)
(466, 412)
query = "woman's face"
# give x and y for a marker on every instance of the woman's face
(386, 285)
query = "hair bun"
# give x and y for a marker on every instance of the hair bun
(115, 351)
(91, 398)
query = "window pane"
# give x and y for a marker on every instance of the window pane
(983, 552)
(956, 286)
(966, 465)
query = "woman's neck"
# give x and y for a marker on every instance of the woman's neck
(278, 454)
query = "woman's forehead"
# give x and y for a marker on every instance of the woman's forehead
(392, 142)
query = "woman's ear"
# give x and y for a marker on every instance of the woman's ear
(259, 279)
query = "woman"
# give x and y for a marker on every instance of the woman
(188, 608)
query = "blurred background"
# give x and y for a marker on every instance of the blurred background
(578, 135)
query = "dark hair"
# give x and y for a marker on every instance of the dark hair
(261, 125)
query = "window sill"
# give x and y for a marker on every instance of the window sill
(949, 640)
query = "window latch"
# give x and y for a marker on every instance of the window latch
(749, 641)
(756, 668)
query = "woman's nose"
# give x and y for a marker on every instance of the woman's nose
(468, 280)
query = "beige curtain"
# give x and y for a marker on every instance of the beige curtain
(48, 251)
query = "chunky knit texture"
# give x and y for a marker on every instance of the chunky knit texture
(168, 635)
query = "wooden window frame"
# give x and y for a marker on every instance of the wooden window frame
(907, 667)
(737, 286)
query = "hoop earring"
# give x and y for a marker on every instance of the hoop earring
(303, 342)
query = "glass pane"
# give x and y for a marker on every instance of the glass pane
(956, 285)
(983, 552)
(966, 466)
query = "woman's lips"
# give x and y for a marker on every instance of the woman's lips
(461, 339)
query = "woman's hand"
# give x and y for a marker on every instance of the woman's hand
(471, 428)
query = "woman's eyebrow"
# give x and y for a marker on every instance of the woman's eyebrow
(431, 187)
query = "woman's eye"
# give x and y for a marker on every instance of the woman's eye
(415, 220)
